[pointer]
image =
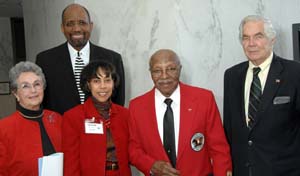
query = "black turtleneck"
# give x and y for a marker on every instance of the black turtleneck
(37, 116)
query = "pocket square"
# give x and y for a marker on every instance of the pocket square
(281, 100)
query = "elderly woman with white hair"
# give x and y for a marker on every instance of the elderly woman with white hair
(30, 132)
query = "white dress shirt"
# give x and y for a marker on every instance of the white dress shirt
(263, 74)
(84, 54)
(160, 109)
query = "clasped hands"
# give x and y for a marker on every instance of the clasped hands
(163, 168)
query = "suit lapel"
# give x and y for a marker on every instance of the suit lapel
(240, 92)
(97, 53)
(92, 52)
(187, 116)
(151, 127)
(271, 86)
(67, 69)
(65, 59)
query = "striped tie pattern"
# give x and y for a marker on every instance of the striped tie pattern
(254, 98)
(79, 64)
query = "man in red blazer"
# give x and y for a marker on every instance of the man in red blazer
(200, 145)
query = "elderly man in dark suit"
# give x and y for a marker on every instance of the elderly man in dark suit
(262, 106)
(62, 64)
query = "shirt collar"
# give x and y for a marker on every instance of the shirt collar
(84, 52)
(263, 65)
(175, 96)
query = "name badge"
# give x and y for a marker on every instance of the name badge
(92, 127)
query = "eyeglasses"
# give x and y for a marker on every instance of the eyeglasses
(80, 23)
(158, 72)
(37, 85)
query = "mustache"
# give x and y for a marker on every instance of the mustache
(164, 81)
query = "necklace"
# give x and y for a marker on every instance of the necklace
(32, 117)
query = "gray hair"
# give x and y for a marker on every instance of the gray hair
(169, 53)
(268, 27)
(21, 67)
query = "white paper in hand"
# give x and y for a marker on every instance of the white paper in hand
(51, 165)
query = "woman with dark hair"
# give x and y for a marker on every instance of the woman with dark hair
(95, 134)
(30, 132)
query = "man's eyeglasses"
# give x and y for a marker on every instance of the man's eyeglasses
(37, 85)
(158, 72)
(80, 23)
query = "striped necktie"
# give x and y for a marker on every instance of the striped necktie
(254, 98)
(79, 65)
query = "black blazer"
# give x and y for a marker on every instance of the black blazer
(272, 146)
(61, 92)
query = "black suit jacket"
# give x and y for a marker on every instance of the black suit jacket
(61, 92)
(272, 146)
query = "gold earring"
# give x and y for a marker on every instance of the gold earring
(15, 94)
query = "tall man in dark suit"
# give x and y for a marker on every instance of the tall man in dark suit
(262, 106)
(59, 63)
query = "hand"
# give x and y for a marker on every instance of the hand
(229, 173)
(163, 168)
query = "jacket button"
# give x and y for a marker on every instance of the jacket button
(250, 143)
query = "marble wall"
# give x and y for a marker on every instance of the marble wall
(204, 33)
